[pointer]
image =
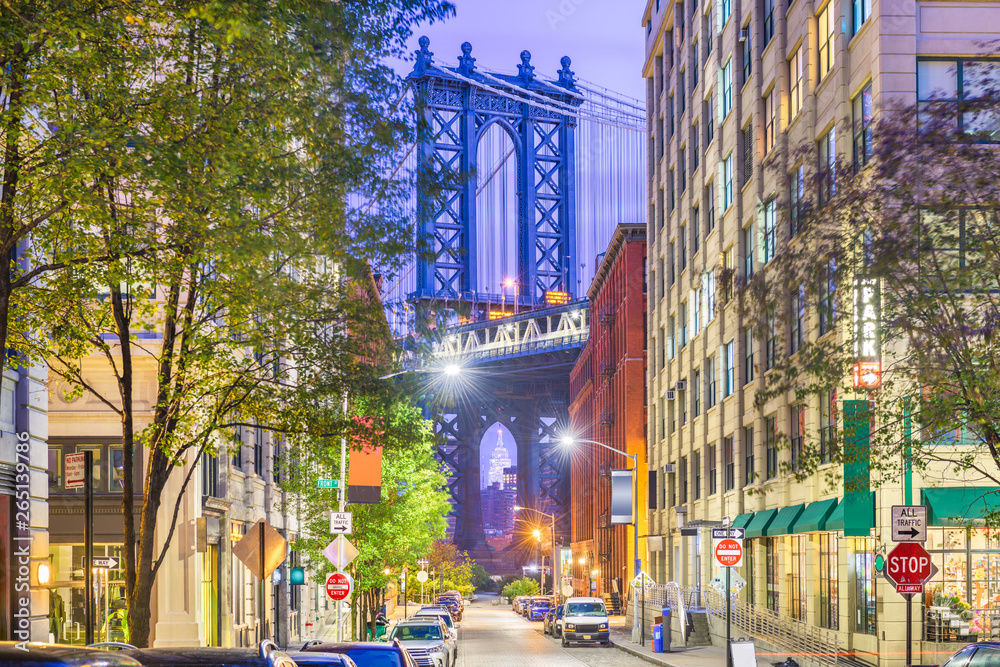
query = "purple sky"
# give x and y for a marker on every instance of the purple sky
(604, 38)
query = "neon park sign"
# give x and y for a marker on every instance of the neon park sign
(867, 348)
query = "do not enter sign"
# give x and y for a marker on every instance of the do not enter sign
(728, 553)
(338, 586)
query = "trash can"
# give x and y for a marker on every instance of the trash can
(666, 629)
(657, 638)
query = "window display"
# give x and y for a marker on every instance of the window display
(963, 598)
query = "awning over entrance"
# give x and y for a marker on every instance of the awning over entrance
(959, 505)
(759, 523)
(742, 520)
(784, 520)
(835, 521)
(815, 517)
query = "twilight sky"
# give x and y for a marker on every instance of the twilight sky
(604, 38)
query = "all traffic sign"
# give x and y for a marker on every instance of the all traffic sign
(909, 523)
(728, 553)
(338, 586)
(908, 566)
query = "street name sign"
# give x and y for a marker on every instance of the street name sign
(327, 483)
(341, 523)
(338, 586)
(909, 523)
(75, 471)
(728, 553)
(908, 566)
(733, 533)
(105, 562)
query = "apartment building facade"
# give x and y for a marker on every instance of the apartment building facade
(733, 88)
(607, 388)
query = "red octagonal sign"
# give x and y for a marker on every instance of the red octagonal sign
(338, 586)
(909, 565)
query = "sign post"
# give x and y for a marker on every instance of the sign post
(728, 554)
(907, 567)
(339, 586)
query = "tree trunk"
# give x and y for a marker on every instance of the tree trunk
(8, 192)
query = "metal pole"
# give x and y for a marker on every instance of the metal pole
(642, 595)
(343, 502)
(635, 544)
(555, 588)
(88, 542)
(263, 598)
(729, 609)
(909, 629)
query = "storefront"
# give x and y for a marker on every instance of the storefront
(67, 615)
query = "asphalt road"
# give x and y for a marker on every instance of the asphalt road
(497, 637)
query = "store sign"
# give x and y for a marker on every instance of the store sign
(867, 316)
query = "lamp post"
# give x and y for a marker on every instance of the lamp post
(552, 518)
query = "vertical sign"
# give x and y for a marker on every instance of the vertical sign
(867, 355)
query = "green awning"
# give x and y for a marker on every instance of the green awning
(742, 520)
(960, 505)
(785, 519)
(835, 522)
(815, 516)
(760, 521)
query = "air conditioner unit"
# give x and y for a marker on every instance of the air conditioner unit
(681, 385)
(744, 34)
(669, 468)
(670, 394)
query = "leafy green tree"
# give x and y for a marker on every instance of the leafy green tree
(208, 168)
(522, 586)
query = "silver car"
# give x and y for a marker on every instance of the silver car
(444, 615)
(427, 641)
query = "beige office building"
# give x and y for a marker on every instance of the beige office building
(730, 83)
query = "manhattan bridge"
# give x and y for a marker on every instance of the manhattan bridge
(532, 174)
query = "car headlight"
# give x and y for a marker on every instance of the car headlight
(439, 649)
(602, 626)
(570, 626)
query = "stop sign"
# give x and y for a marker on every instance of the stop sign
(909, 563)
(338, 586)
(728, 553)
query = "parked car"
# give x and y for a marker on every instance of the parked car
(265, 655)
(986, 653)
(427, 639)
(57, 655)
(444, 615)
(453, 603)
(538, 608)
(552, 623)
(439, 607)
(364, 654)
(515, 602)
(585, 619)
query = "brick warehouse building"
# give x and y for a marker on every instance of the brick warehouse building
(607, 389)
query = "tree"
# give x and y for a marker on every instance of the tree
(894, 261)
(217, 202)
(522, 586)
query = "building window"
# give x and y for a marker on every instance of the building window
(276, 460)
(729, 452)
(682, 237)
(710, 205)
(827, 152)
(862, 10)
(827, 297)
(670, 262)
(730, 368)
(769, 235)
(798, 433)
(728, 193)
(695, 232)
(681, 93)
(768, 15)
(862, 106)
(797, 308)
(829, 607)
(683, 402)
(771, 447)
(797, 577)
(683, 470)
(710, 294)
(827, 424)
(258, 451)
(695, 153)
(682, 170)
(769, 121)
(771, 571)
(748, 365)
(670, 118)
(209, 474)
(747, 57)
(55, 469)
(748, 457)
(672, 199)
(709, 28)
(727, 88)
(864, 586)
(748, 249)
(671, 417)
(671, 347)
(712, 471)
(696, 394)
(826, 45)
(953, 83)
(694, 65)
(710, 381)
(771, 343)
(709, 121)
(696, 469)
(238, 447)
(795, 77)
(682, 313)
(796, 192)
(749, 152)
(726, 8)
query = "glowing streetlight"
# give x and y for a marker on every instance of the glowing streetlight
(452, 370)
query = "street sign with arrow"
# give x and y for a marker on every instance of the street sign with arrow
(909, 523)
(105, 562)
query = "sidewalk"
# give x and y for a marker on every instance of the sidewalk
(328, 632)
(680, 656)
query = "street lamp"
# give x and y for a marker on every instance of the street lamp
(569, 441)
(538, 534)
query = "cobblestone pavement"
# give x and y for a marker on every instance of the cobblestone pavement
(497, 637)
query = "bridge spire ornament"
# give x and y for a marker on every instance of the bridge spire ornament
(566, 77)
(466, 63)
(526, 70)
(425, 57)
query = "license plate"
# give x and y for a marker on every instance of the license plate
(586, 636)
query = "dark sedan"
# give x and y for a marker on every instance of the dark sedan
(538, 608)
(551, 622)
(55, 655)
(266, 655)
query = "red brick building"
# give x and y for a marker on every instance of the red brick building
(607, 390)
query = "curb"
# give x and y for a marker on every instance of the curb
(639, 654)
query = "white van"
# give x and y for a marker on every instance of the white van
(585, 619)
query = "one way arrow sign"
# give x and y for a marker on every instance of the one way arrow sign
(909, 523)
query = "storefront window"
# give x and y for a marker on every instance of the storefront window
(116, 473)
(864, 586)
(796, 581)
(66, 595)
(963, 598)
(6, 521)
(96, 467)
(55, 468)
(829, 607)
(771, 575)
